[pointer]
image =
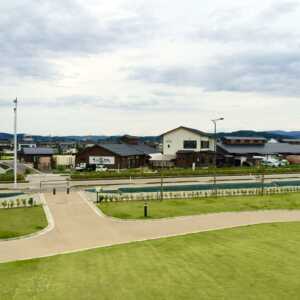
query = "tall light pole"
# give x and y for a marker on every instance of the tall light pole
(215, 152)
(15, 142)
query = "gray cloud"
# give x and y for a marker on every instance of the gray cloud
(276, 73)
(279, 9)
(253, 29)
(152, 102)
(34, 32)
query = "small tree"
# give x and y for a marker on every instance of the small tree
(18, 202)
(4, 203)
(30, 201)
(24, 202)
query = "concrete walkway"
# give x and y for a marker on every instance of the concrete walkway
(79, 226)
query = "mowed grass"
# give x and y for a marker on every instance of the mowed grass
(184, 207)
(254, 262)
(16, 222)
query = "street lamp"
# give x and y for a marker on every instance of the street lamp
(15, 142)
(215, 152)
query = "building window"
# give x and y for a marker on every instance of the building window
(204, 144)
(189, 144)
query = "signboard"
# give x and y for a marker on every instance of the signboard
(101, 160)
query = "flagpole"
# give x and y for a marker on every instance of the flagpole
(15, 142)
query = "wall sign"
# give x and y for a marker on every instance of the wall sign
(101, 160)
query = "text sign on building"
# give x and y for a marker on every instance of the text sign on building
(101, 160)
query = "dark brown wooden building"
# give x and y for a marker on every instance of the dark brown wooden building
(115, 156)
(40, 158)
(186, 159)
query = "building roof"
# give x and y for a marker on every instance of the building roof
(265, 149)
(38, 151)
(128, 149)
(199, 132)
(256, 138)
(290, 140)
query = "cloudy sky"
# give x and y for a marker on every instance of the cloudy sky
(143, 67)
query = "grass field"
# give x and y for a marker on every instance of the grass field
(20, 221)
(256, 262)
(9, 177)
(184, 207)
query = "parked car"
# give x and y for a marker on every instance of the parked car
(284, 163)
(100, 168)
(273, 162)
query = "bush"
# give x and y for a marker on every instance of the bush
(9, 177)
(24, 202)
(30, 201)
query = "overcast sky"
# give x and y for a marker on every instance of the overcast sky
(143, 67)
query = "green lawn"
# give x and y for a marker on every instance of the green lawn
(254, 262)
(184, 207)
(9, 177)
(20, 221)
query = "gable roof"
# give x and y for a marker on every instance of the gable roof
(128, 149)
(199, 132)
(256, 138)
(264, 149)
(38, 151)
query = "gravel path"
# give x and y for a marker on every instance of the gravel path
(78, 225)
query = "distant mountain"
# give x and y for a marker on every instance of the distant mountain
(5, 136)
(290, 134)
(273, 134)
(252, 133)
(73, 138)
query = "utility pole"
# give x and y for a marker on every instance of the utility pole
(15, 142)
(215, 152)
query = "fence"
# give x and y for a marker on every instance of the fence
(115, 197)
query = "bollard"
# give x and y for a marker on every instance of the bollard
(68, 191)
(54, 191)
(145, 210)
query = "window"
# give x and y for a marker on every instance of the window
(204, 144)
(189, 144)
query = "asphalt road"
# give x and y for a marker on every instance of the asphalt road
(54, 180)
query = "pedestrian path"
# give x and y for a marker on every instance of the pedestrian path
(78, 225)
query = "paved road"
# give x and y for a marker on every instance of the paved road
(53, 180)
(78, 226)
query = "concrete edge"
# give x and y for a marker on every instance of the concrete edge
(50, 226)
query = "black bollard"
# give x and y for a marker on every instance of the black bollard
(145, 210)
(68, 191)
(54, 191)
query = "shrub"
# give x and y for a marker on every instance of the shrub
(24, 202)
(30, 201)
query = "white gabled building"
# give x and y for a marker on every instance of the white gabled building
(190, 147)
(186, 139)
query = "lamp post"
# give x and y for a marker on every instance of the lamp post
(215, 152)
(161, 184)
(15, 142)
